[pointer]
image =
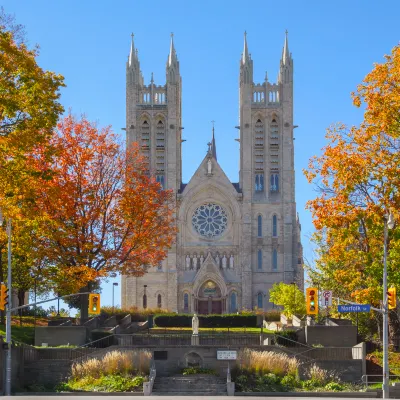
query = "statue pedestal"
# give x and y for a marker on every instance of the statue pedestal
(195, 340)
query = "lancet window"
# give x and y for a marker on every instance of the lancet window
(259, 155)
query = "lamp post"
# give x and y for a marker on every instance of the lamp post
(113, 286)
(144, 297)
(388, 224)
(9, 306)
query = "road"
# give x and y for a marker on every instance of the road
(112, 397)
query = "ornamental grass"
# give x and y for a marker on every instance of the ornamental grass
(125, 363)
(265, 362)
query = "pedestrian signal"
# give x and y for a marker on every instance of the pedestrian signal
(391, 293)
(3, 297)
(312, 301)
(94, 303)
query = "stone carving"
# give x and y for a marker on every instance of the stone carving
(188, 262)
(195, 325)
(210, 220)
(224, 261)
(201, 260)
(209, 166)
(217, 260)
(194, 262)
(231, 261)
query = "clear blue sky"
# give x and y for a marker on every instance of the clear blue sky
(334, 45)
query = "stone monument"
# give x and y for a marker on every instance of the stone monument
(195, 330)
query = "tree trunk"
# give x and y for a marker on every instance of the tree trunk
(21, 302)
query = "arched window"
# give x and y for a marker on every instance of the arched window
(233, 302)
(274, 259)
(144, 301)
(260, 300)
(186, 302)
(259, 226)
(259, 259)
(259, 183)
(274, 183)
(274, 226)
(159, 303)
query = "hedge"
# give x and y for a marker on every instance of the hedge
(206, 321)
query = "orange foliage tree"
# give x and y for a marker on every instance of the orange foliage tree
(102, 213)
(358, 178)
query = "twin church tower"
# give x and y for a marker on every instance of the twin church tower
(235, 239)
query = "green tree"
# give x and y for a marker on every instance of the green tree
(290, 297)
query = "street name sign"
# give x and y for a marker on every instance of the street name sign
(354, 308)
(226, 354)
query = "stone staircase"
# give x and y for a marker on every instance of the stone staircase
(191, 385)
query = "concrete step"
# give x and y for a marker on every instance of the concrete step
(187, 394)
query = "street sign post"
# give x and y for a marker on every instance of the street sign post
(327, 298)
(354, 308)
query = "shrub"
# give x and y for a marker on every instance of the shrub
(321, 376)
(286, 338)
(114, 362)
(265, 362)
(290, 382)
(334, 387)
(206, 321)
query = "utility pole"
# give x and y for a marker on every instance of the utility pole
(8, 315)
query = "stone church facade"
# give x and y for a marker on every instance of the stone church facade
(235, 239)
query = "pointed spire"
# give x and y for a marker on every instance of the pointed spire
(152, 78)
(132, 53)
(286, 54)
(213, 145)
(245, 55)
(172, 52)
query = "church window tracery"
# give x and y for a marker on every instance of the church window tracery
(210, 220)
(145, 142)
(259, 156)
(159, 301)
(259, 182)
(274, 183)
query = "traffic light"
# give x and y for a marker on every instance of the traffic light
(94, 303)
(3, 297)
(391, 293)
(312, 301)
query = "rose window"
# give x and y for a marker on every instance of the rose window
(210, 220)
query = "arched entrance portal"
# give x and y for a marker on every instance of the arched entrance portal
(209, 299)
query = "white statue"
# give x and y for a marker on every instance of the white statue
(209, 166)
(201, 260)
(195, 324)
(231, 261)
(188, 262)
(195, 262)
(224, 260)
(217, 259)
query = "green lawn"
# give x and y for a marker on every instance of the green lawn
(210, 330)
(24, 334)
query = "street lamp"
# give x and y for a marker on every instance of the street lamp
(9, 306)
(388, 224)
(114, 284)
